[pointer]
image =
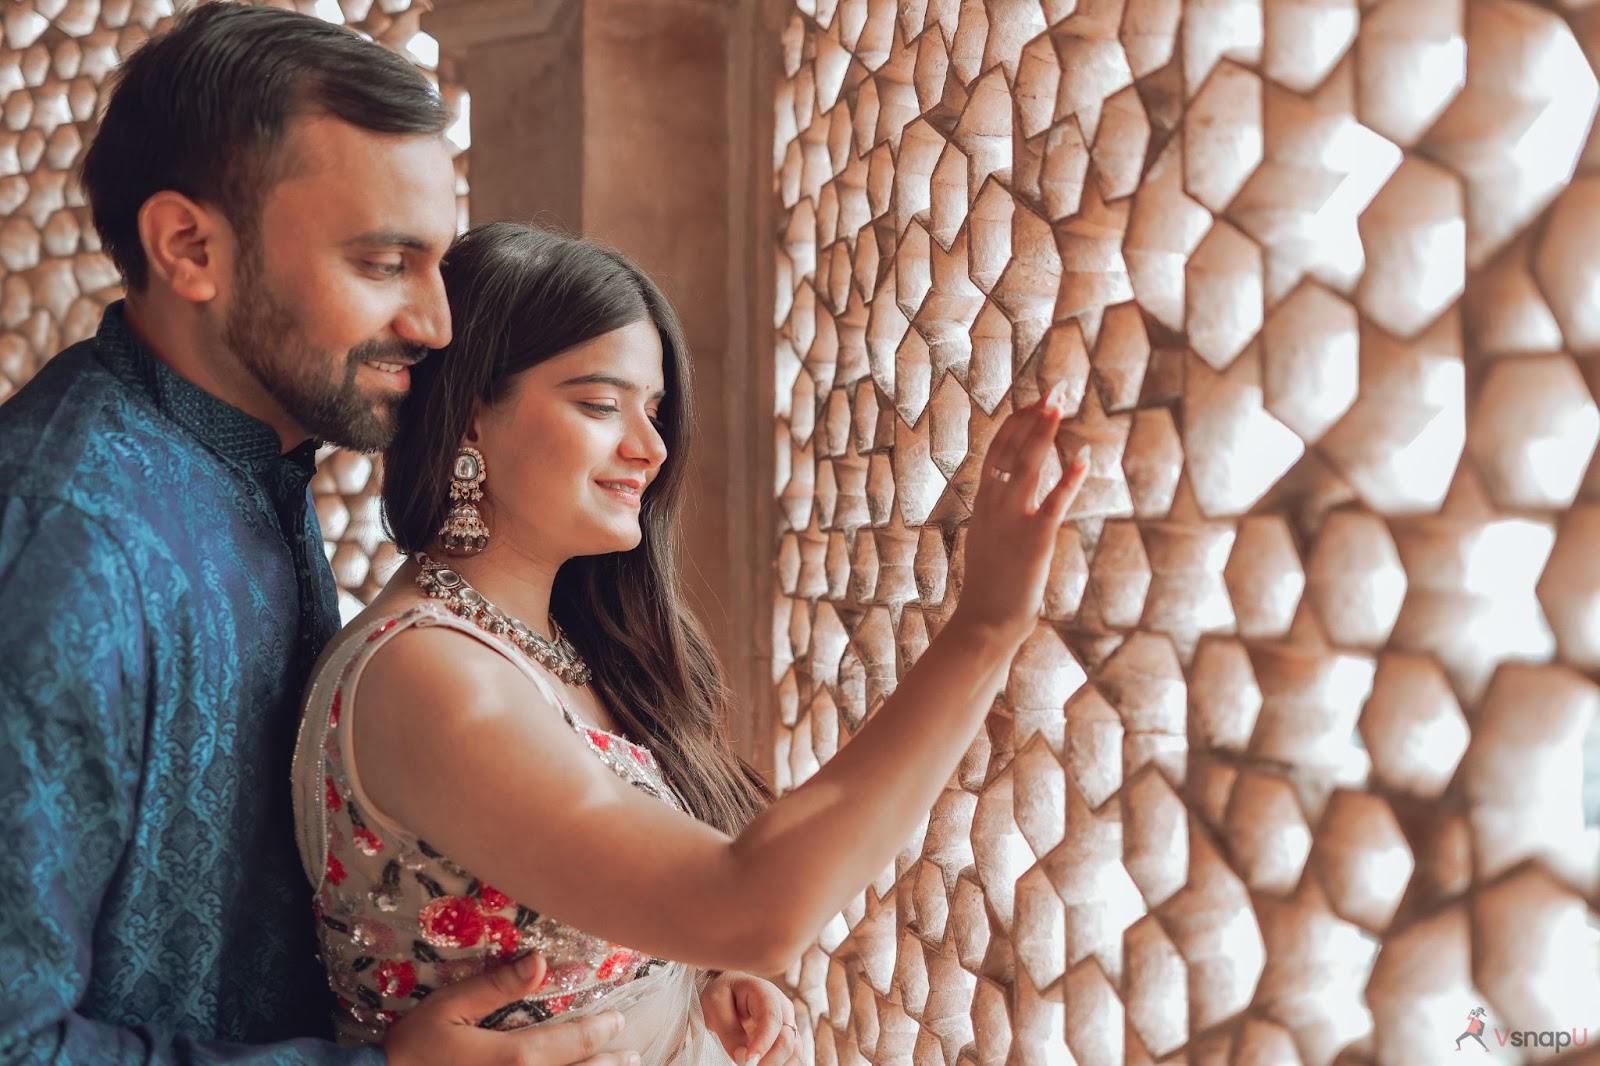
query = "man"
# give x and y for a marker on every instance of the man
(277, 194)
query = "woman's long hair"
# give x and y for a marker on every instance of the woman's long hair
(518, 296)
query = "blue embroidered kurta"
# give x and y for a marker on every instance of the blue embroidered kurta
(163, 593)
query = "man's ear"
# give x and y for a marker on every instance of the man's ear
(186, 244)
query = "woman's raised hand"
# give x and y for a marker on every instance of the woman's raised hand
(1011, 538)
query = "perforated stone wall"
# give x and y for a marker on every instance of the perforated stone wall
(56, 57)
(1292, 768)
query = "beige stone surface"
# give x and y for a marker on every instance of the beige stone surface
(1292, 769)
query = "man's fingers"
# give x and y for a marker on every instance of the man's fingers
(574, 1041)
(612, 1058)
(471, 999)
(531, 970)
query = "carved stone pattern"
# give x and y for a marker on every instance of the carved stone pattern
(1292, 768)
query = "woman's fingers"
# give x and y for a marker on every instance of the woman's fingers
(1002, 449)
(783, 1048)
(1004, 465)
(1056, 504)
(1032, 450)
(763, 1031)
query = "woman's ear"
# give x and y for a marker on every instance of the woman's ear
(185, 244)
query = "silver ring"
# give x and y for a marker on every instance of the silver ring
(1000, 475)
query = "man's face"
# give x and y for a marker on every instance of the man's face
(337, 290)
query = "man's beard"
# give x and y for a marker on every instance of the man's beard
(264, 334)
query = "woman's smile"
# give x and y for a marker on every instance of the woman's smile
(627, 490)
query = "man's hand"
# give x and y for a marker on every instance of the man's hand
(443, 1029)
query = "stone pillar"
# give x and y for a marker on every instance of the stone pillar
(521, 62)
(646, 124)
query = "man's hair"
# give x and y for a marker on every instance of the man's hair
(203, 110)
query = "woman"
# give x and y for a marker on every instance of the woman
(518, 747)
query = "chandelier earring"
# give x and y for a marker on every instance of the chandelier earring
(464, 532)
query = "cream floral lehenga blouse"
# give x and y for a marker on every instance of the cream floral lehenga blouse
(397, 919)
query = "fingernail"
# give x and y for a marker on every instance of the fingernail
(527, 965)
(1055, 399)
(614, 1021)
(633, 1058)
(1082, 458)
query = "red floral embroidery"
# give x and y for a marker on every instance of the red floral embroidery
(560, 1004)
(451, 922)
(615, 965)
(367, 841)
(388, 1017)
(639, 755)
(502, 936)
(599, 739)
(334, 802)
(381, 630)
(396, 978)
(335, 872)
(333, 714)
(492, 899)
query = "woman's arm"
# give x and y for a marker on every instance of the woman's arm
(457, 745)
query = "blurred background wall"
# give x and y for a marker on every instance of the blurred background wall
(1303, 762)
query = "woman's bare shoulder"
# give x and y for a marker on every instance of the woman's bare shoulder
(436, 668)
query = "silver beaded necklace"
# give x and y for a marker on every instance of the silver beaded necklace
(447, 586)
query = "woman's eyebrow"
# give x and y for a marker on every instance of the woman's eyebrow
(608, 379)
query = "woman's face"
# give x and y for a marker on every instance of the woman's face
(571, 448)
